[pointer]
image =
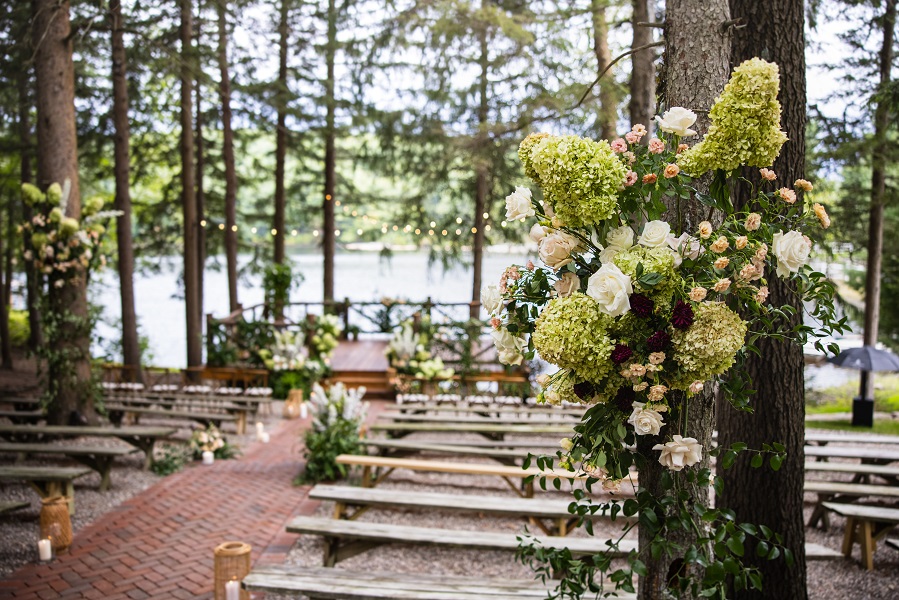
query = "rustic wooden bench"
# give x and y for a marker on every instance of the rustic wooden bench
(23, 416)
(376, 469)
(536, 511)
(839, 492)
(47, 481)
(19, 403)
(404, 447)
(98, 458)
(325, 583)
(861, 472)
(484, 409)
(824, 437)
(866, 454)
(865, 525)
(6, 507)
(505, 418)
(490, 430)
(117, 414)
(142, 438)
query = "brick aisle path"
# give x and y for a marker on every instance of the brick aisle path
(160, 543)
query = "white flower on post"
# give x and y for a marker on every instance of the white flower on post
(677, 120)
(792, 251)
(555, 249)
(491, 299)
(567, 284)
(518, 204)
(679, 453)
(621, 237)
(508, 347)
(644, 420)
(655, 234)
(611, 289)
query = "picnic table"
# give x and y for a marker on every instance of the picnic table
(47, 481)
(98, 458)
(23, 416)
(542, 418)
(865, 525)
(142, 438)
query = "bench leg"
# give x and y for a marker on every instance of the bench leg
(849, 537)
(329, 559)
(867, 543)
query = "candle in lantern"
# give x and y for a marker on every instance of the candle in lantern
(232, 590)
(208, 457)
(45, 549)
(304, 412)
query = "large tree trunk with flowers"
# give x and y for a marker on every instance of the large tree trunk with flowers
(762, 496)
(69, 366)
(329, 239)
(697, 65)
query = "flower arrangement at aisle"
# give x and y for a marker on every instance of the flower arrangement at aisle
(211, 440)
(640, 308)
(406, 347)
(337, 418)
(322, 335)
(288, 352)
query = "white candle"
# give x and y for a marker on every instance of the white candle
(208, 457)
(45, 550)
(265, 437)
(260, 427)
(304, 412)
(232, 590)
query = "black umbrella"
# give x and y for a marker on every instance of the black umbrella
(865, 359)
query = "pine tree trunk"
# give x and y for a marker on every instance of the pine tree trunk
(228, 158)
(32, 278)
(5, 344)
(201, 189)
(642, 105)
(188, 192)
(58, 162)
(328, 223)
(763, 496)
(280, 147)
(697, 67)
(481, 175)
(608, 94)
(122, 169)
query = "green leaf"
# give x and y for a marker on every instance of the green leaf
(776, 461)
(757, 461)
(762, 548)
(774, 553)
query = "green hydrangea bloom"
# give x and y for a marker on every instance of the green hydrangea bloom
(708, 347)
(654, 260)
(573, 333)
(580, 177)
(524, 154)
(745, 126)
(562, 390)
(68, 227)
(32, 194)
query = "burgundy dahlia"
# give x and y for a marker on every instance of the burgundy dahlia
(682, 315)
(624, 399)
(621, 353)
(583, 390)
(641, 305)
(658, 341)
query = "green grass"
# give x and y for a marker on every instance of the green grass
(884, 426)
(839, 400)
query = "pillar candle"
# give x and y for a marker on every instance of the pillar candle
(304, 412)
(44, 549)
(260, 427)
(232, 590)
(265, 437)
(208, 457)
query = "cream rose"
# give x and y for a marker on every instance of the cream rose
(566, 444)
(645, 421)
(491, 299)
(611, 289)
(608, 254)
(537, 232)
(679, 453)
(686, 246)
(508, 347)
(655, 234)
(621, 237)
(518, 204)
(705, 230)
(555, 249)
(698, 294)
(791, 250)
(677, 120)
(567, 284)
(753, 221)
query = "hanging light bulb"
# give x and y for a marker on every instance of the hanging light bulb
(203, 223)
(274, 231)
(254, 230)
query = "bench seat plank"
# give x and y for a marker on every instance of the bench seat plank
(486, 408)
(487, 427)
(826, 437)
(47, 481)
(851, 489)
(474, 418)
(98, 458)
(504, 455)
(6, 507)
(884, 455)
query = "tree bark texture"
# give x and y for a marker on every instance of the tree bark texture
(32, 282)
(642, 104)
(5, 343)
(201, 188)
(608, 91)
(697, 63)
(188, 192)
(481, 175)
(281, 140)
(228, 157)
(58, 162)
(328, 234)
(122, 170)
(762, 496)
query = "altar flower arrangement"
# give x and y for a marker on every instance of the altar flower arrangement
(639, 308)
(322, 335)
(406, 347)
(338, 415)
(288, 353)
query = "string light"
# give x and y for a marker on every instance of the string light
(274, 232)
(458, 232)
(293, 232)
(474, 229)
(433, 224)
(486, 215)
(430, 232)
(315, 233)
(337, 203)
(354, 213)
(254, 230)
(222, 226)
(395, 227)
(443, 232)
(459, 220)
(203, 223)
(358, 232)
(328, 197)
(418, 232)
(487, 228)
(234, 228)
(503, 223)
(337, 232)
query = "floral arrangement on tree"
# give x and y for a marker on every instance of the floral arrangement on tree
(210, 440)
(322, 335)
(337, 418)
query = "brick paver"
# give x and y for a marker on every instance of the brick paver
(160, 543)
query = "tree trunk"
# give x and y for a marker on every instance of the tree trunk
(201, 190)
(228, 158)
(608, 94)
(32, 278)
(328, 235)
(481, 182)
(188, 193)
(763, 496)
(642, 105)
(5, 343)
(122, 168)
(697, 67)
(58, 162)
(280, 147)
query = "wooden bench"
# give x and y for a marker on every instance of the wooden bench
(376, 469)
(861, 472)
(489, 430)
(535, 510)
(403, 448)
(47, 481)
(505, 418)
(485, 409)
(233, 376)
(98, 458)
(21, 403)
(117, 414)
(325, 583)
(865, 525)
(6, 507)
(866, 454)
(23, 416)
(824, 437)
(839, 492)
(142, 438)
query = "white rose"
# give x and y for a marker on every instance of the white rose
(655, 233)
(518, 204)
(508, 347)
(611, 289)
(555, 249)
(621, 237)
(491, 299)
(537, 233)
(791, 250)
(608, 254)
(567, 284)
(679, 453)
(645, 421)
(686, 246)
(677, 120)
